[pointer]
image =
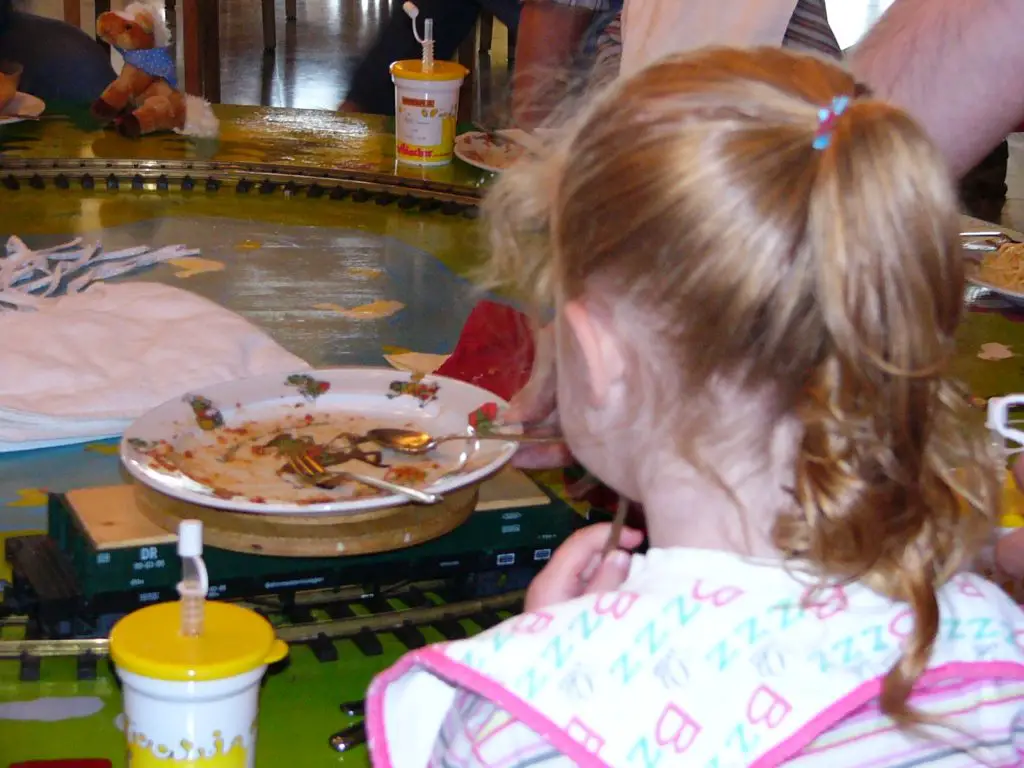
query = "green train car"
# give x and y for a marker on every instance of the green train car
(69, 589)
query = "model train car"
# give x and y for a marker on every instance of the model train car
(71, 589)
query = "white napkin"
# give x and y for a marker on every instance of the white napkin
(82, 367)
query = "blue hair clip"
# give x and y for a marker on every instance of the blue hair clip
(827, 117)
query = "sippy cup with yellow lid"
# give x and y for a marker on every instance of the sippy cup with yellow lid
(1008, 444)
(191, 673)
(1008, 441)
(426, 101)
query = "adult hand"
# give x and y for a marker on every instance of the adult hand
(577, 568)
(536, 408)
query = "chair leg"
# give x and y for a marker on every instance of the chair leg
(73, 12)
(269, 25)
(486, 24)
(101, 7)
(210, 37)
(291, 10)
(468, 59)
(191, 46)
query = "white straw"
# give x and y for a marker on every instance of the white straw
(428, 45)
(194, 582)
(427, 41)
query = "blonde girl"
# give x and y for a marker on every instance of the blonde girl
(755, 276)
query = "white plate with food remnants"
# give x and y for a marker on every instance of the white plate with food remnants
(22, 107)
(1000, 270)
(484, 152)
(234, 445)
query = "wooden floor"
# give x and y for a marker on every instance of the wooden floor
(316, 54)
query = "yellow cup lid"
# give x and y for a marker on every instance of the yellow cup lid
(412, 69)
(234, 641)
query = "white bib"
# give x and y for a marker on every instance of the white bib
(731, 667)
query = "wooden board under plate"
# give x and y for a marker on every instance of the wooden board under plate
(120, 516)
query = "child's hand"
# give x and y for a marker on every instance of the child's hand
(575, 569)
(536, 408)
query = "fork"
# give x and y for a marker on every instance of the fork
(306, 466)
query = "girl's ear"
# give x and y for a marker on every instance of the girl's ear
(599, 348)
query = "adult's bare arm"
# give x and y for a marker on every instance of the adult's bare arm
(549, 36)
(956, 65)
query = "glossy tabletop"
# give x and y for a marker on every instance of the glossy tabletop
(285, 258)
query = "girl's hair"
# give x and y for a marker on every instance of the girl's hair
(832, 276)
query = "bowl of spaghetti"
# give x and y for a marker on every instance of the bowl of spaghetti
(1000, 271)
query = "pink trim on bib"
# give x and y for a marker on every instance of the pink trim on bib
(458, 674)
(835, 713)
(465, 677)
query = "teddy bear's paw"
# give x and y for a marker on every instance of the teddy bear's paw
(129, 127)
(103, 111)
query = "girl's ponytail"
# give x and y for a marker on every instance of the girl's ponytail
(883, 429)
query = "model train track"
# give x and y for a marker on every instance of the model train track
(209, 177)
(351, 614)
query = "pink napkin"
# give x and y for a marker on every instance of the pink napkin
(495, 350)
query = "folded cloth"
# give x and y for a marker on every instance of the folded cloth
(82, 367)
(27, 276)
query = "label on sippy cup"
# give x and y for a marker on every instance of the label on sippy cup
(421, 124)
(144, 752)
(425, 125)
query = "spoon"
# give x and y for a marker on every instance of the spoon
(414, 442)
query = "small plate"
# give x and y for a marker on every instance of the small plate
(1010, 297)
(479, 150)
(22, 104)
(227, 446)
(975, 250)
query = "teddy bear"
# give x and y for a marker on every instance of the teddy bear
(145, 97)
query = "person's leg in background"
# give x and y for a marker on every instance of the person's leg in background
(371, 89)
(983, 188)
(61, 62)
